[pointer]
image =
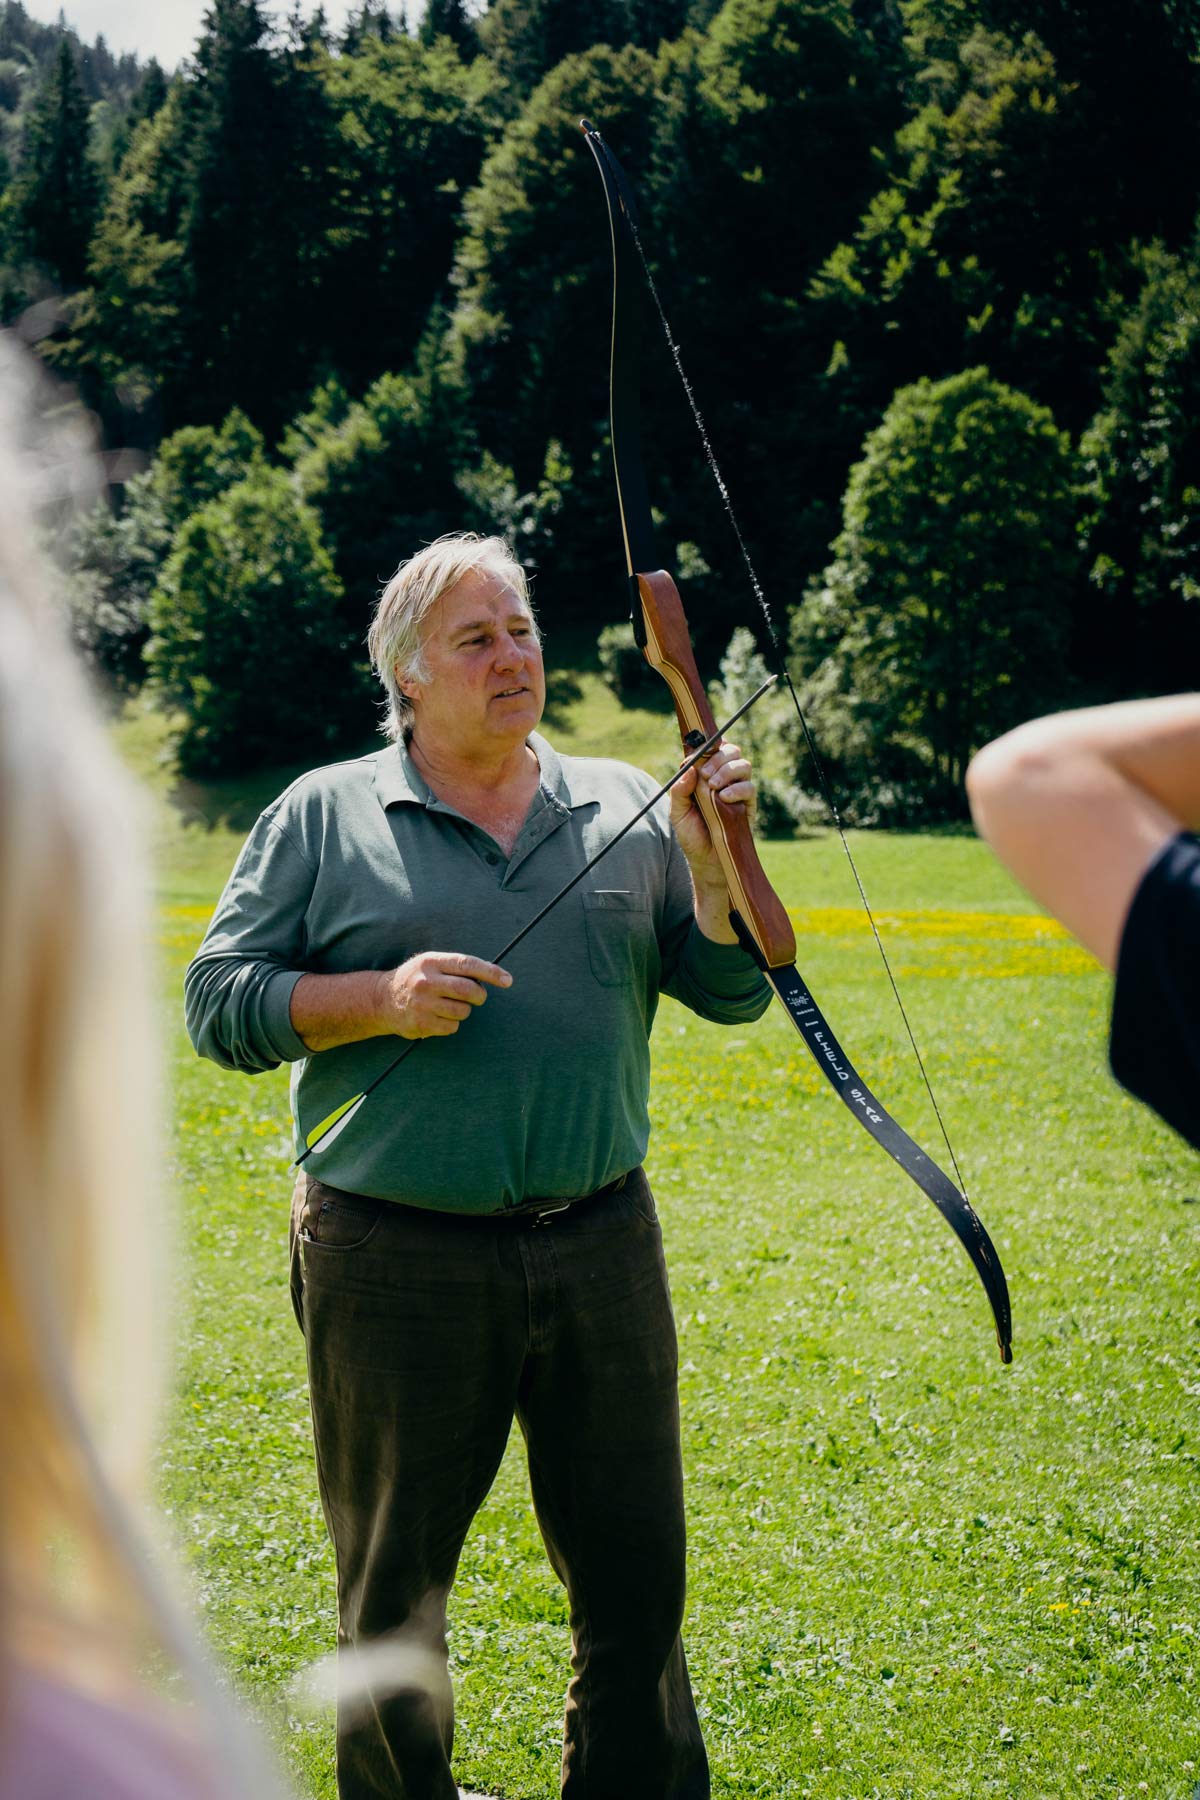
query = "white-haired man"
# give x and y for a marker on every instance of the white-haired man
(481, 1241)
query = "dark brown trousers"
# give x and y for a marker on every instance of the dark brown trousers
(427, 1333)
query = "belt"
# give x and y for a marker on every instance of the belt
(532, 1213)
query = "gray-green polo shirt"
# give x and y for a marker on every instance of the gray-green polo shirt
(543, 1089)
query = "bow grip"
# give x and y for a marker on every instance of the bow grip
(668, 649)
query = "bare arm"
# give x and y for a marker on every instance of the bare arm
(728, 776)
(1079, 805)
(427, 996)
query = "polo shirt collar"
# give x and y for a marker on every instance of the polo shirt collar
(397, 778)
(569, 781)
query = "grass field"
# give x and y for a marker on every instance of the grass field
(915, 1575)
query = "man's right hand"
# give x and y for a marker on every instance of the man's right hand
(430, 995)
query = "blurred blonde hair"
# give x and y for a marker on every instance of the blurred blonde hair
(394, 639)
(83, 1252)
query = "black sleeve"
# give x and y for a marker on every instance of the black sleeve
(1154, 1045)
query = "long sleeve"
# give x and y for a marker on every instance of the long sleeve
(359, 866)
(238, 988)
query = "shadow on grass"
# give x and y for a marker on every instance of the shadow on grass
(939, 828)
(233, 803)
(562, 691)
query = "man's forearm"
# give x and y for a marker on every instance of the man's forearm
(711, 908)
(428, 996)
(328, 1010)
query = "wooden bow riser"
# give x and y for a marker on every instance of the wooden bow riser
(758, 913)
(669, 650)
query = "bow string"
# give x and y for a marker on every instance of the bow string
(660, 627)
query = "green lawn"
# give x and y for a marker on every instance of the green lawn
(914, 1573)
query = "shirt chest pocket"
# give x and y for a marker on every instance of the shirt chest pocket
(620, 937)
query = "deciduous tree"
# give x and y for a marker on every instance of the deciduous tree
(1139, 624)
(945, 615)
(248, 635)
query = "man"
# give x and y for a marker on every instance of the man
(480, 1240)
(1095, 812)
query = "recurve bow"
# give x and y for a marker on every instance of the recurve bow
(756, 912)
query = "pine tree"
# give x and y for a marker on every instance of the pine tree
(372, 21)
(650, 21)
(255, 198)
(449, 18)
(57, 193)
(527, 38)
(316, 33)
(150, 95)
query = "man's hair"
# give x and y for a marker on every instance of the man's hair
(395, 637)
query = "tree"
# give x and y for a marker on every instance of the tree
(411, 126)
(248, 637)
(254, 148)
(321, 415)
(1134, 74)
(197, 463)
(533, 278)
(449, 19)
(284, 216)
(57, 192)
(525, 39)
(114, 557)
(380, 480)
(1141, 621)
(977, 244)
(711, 133)
(492, 505)
(760, 733)
(113, 561)
(765, 155)
(309, 32)
(132, 323)
(372, 22)
(151, 94)
(945, 615)
(207, 267)
(652, 21)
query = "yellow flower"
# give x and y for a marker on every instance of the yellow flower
(955, 943)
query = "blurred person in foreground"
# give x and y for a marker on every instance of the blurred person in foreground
(481, 1240)
(83, 1607)
(1095, 812)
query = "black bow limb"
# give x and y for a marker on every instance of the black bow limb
(757, 913)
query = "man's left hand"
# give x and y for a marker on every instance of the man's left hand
(729, 779)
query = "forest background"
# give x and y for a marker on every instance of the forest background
(934, 270)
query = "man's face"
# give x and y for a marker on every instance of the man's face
(486, 685)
